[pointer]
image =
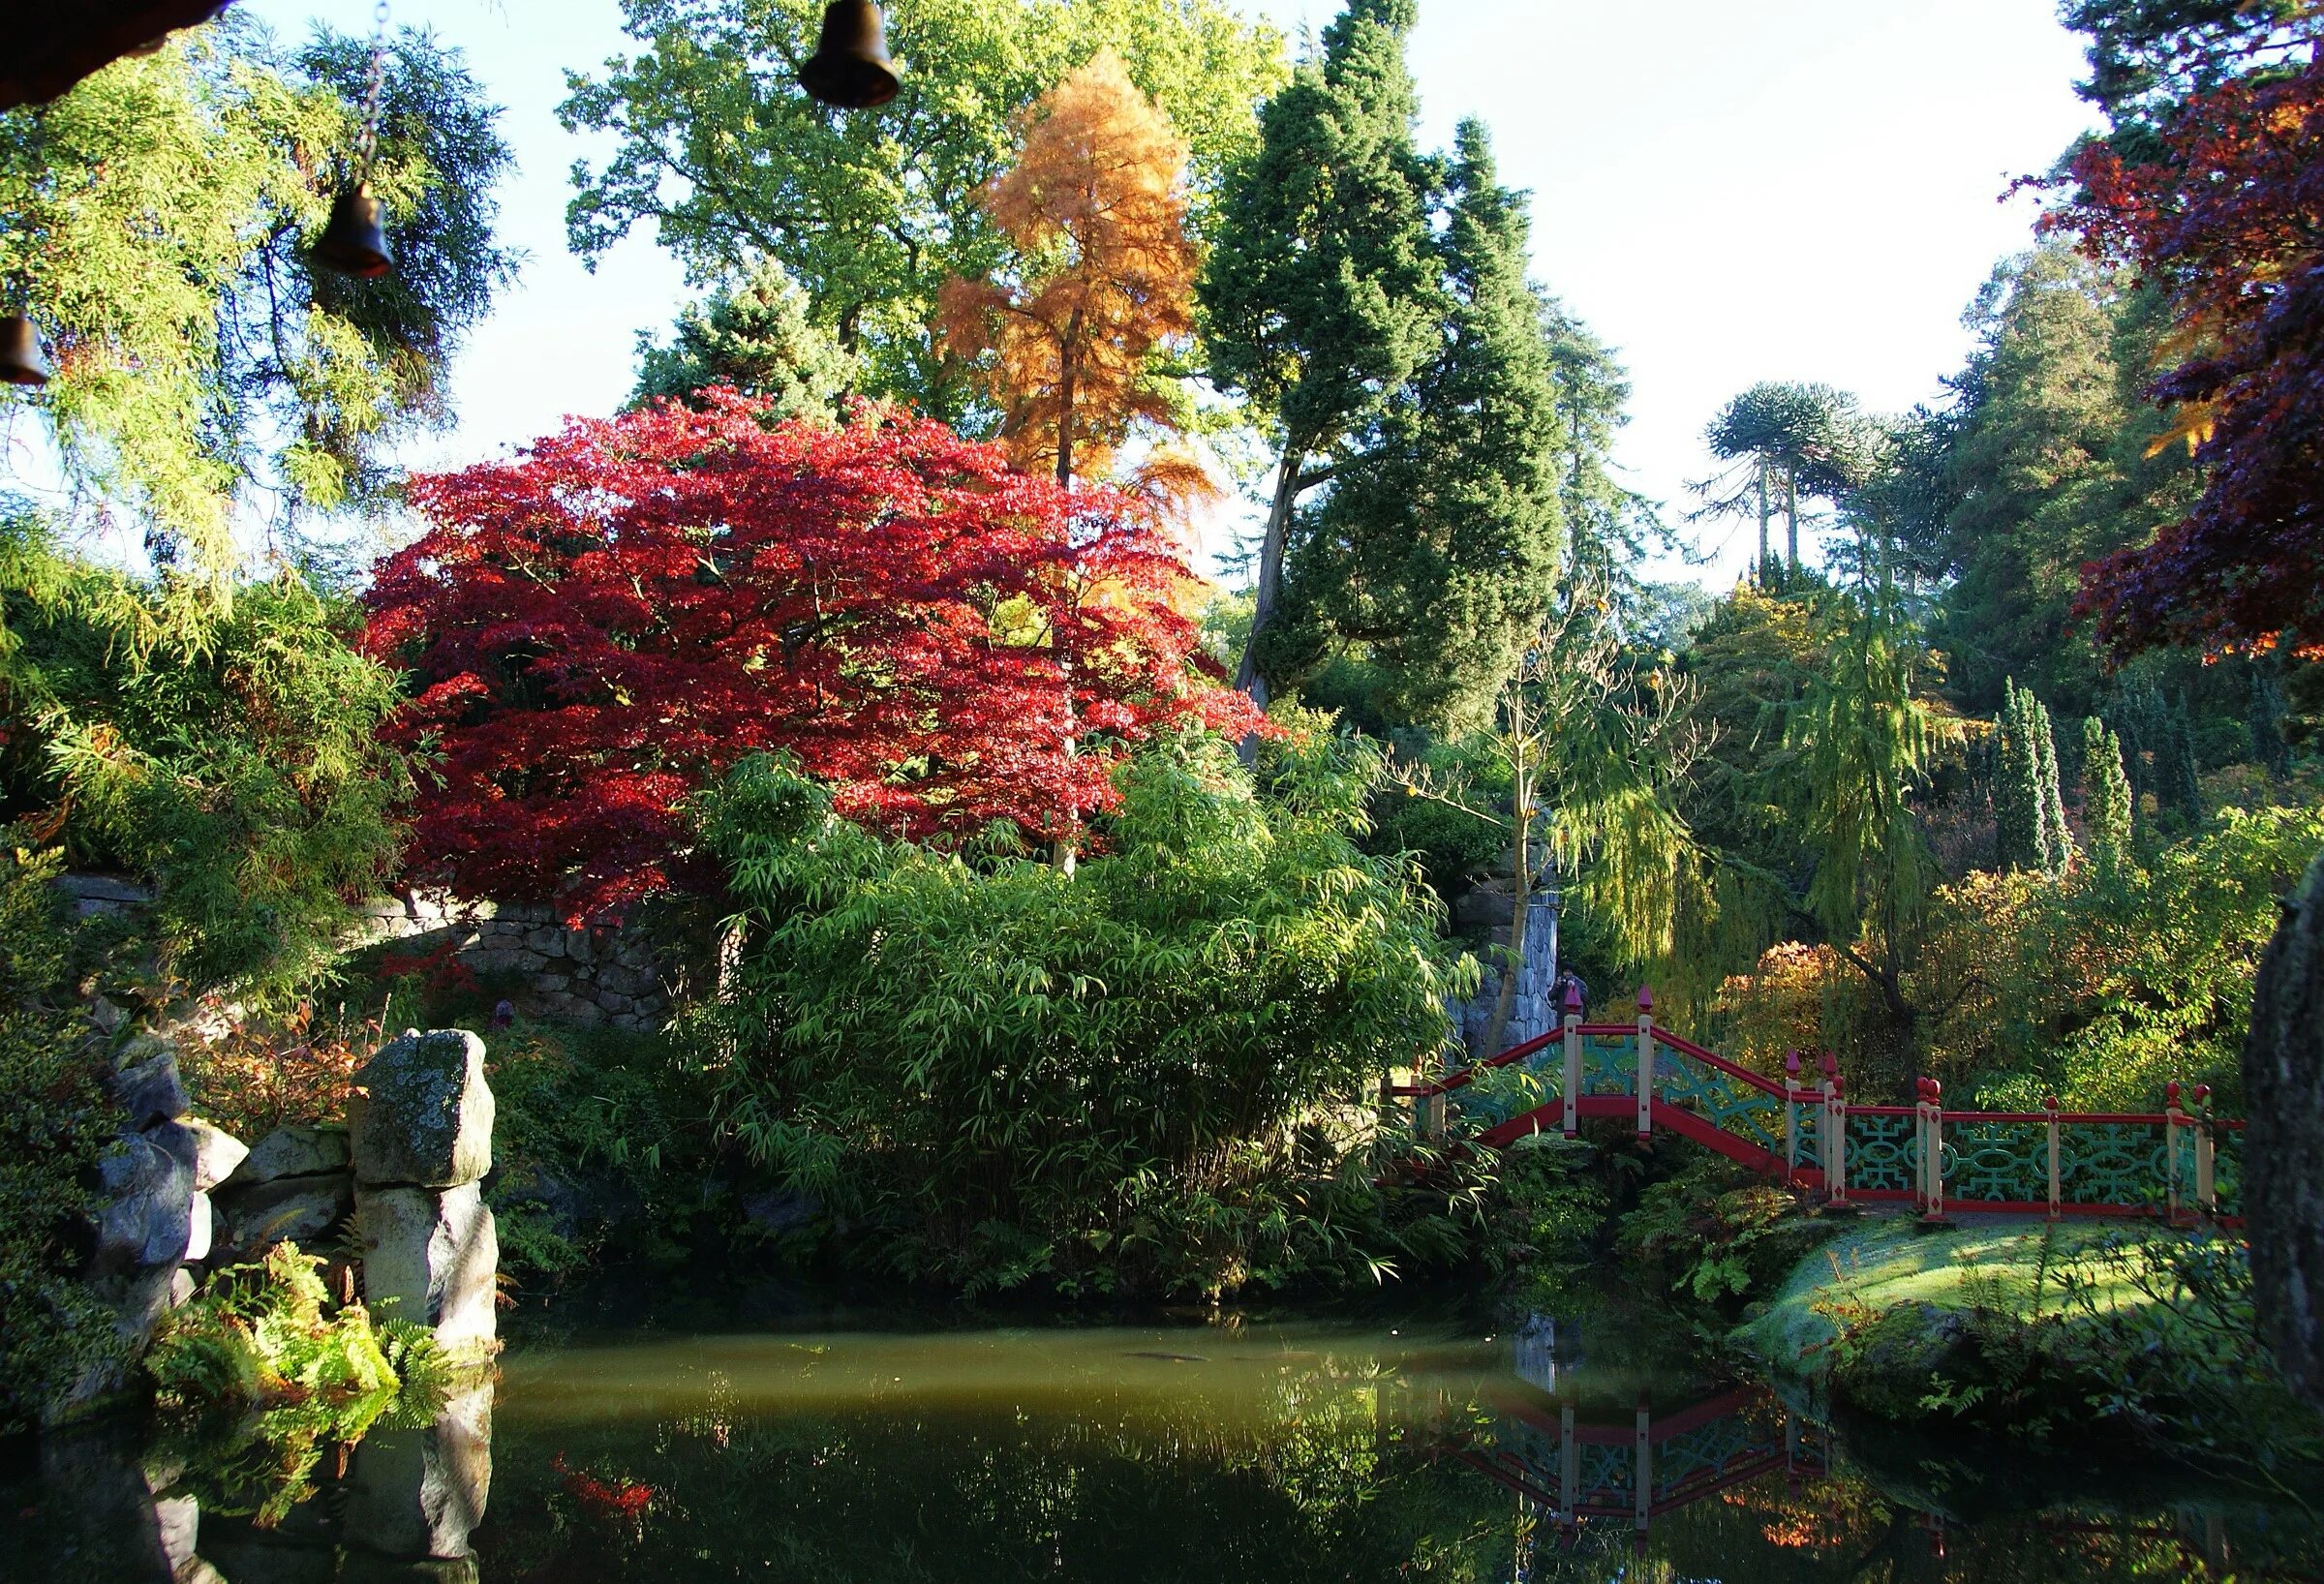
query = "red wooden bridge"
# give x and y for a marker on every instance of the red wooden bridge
(2180, 1162)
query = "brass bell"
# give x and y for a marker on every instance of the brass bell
(354, 242)
(21, 360)
(850, 66)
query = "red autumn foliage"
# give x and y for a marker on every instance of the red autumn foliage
(595, 627)
(619, 1500)
(2229, 217)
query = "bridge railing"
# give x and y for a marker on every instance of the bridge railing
(2177, 1163)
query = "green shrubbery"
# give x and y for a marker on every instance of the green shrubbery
(52, 1332)
(1156, 1073)
(234, 759)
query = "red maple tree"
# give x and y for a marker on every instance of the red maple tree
(596, 627)
(2227, 213)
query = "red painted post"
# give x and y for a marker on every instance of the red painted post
(2172, 1116)
(1790, 1116)
(1645, 1062)
(2207, 1164)
(2049, 1103)
(1835, 1132)
(1572, 1011)
(1931, 1111)
(1645, 1470)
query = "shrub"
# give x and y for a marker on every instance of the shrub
(1155, 1072)
(234, 760)
(55, 1120)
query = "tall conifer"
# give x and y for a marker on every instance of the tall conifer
(1440, 542)
(1320, 297)
(2106, 797)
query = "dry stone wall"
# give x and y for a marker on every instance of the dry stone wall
(626, 977)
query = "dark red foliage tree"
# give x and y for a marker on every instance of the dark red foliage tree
(594, 628)
(2228, 215)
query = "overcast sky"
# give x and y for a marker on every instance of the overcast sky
(1726, 191)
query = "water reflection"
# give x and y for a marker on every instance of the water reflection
(1253, 1452)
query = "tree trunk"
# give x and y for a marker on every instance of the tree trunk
(1792, 515)
(1759, 568)
(1270, 575)
(2283, 1166)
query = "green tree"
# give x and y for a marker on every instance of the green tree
(754, 334)
(2106, 803)
(869, 212)
(1440, 543)
(2269, 747)
(2028, 806)
(238, 764)
(1861, 739)
(160, 216)
(1134, 1078)
(1607, 526)
(2051, 462)
(1322, 295)
(1788, 440)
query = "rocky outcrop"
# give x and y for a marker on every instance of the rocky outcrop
(293, 1186)
(153, 1217)
(2283, 1180)
(421, 1140)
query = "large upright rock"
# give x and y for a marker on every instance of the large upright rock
(421, 1135)
(424, 1115)
(429, 1257)
(2283, 1175)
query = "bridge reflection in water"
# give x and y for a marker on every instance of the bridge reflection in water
(1585, 1475)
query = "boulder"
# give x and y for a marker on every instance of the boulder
(425, 1115)
(210, 1153)
(429, 1257)
(416, 1494)
(293, 1152)
(147, 1220)
(200, 1229)
(297, 1210)
(146, 1083)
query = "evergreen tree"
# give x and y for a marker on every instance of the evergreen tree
(757, 335)
(2106, 797)
(1320, 297)
(2028, 806)
(2057, 841)
(2177, 773)
(1440, 542)
(2016, 788)
(2269, 747)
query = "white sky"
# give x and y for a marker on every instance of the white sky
(1727, 191)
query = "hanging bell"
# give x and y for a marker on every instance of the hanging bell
(21, 360)
(850, 66)
(354, 242)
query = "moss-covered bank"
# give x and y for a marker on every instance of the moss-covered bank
(2127, 1339)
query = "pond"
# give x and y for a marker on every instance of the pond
(822, 1444)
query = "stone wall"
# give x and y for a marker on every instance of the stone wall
(627, 977)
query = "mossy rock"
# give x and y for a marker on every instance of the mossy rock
(423, 1117)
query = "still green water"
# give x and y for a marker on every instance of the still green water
(819, 1448)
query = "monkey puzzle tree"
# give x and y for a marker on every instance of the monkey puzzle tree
(1793, 441)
